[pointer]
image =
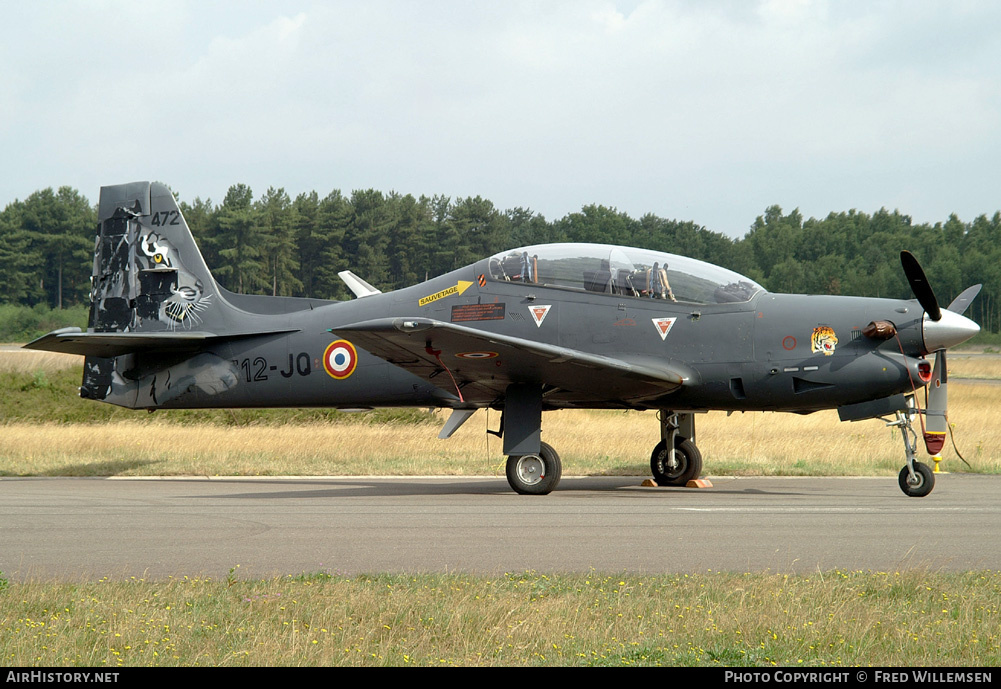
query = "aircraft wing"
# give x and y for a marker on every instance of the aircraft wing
(483, 364)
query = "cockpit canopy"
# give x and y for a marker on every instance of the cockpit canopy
(622, 271)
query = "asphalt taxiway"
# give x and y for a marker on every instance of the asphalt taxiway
(84, 529)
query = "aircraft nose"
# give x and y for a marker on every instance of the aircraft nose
(951, 330)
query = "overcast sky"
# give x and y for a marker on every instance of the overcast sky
(694, 110)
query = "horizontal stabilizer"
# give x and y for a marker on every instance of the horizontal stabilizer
(75, 341)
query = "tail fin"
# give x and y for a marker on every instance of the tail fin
(150, 287)
(155, 309)
(149, 275)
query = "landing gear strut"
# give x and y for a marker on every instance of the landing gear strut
(533, 467)
(916, 479)
(676, 460)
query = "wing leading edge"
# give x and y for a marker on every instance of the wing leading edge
(483, 364)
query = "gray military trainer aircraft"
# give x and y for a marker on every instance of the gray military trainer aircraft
(543, 327)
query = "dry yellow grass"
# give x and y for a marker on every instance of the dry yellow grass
(30, 360)
(590, 442)
(973, 366)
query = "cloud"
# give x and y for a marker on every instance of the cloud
(703, 111)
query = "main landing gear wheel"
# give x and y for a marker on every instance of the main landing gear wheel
(535, 474)
(688, 463)
(924, 481)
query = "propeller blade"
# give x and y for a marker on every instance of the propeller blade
(936, 424)
(964, 299)
(919, 285)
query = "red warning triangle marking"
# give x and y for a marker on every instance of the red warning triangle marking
(663, 326)
(539, 313)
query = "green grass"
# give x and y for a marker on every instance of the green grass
(981, 340)
(25, 323)
(532, 619)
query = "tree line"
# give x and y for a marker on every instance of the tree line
(295, 247)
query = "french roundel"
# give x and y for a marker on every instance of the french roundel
(476, 355)
(340, 359)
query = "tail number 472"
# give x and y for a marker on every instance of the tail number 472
(166, 218)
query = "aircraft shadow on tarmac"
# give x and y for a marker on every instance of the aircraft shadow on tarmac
(621, 486)
(101, 469)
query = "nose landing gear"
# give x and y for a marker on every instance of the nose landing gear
(676, 460)
(916, 479)
(678, 470)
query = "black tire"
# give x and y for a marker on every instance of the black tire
(535, 474)
(926, 481)
(689, 463)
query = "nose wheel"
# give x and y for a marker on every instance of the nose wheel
(918, 485)
(685, 465)
(915, 479)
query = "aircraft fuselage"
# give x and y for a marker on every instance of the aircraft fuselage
(777, 352)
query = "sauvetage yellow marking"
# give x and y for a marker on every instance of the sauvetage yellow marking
(460, 287)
